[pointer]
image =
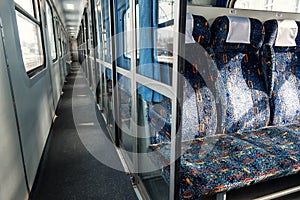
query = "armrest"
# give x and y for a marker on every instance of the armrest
(268, 66)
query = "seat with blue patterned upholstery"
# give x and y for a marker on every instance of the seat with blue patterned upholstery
(236, 42)
(199, 111)
(247, 151)
(282, 69)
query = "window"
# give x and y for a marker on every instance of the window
(59, 41)
(165, 31)
(270, 5)
(128, 37)
(61, 47)
(51, 34)
(65, 47)
(29, 27)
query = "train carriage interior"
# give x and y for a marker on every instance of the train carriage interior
(150, 99)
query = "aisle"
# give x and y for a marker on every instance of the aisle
(70, 167)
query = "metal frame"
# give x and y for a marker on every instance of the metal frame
(280, 193)
(115, 99)
(172, 92)
(179, 62)
(98, 60)
(50, 5)
(221, 196)
(104, 103)
(134, 116)
(130, 74)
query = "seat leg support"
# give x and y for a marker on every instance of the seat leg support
(221, 196)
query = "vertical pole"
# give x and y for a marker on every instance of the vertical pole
(115, 99)
(95, 42)
(102, 78)
(178, 66)
(134, 112)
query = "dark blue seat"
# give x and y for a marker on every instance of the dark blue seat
(245, 100)
(282, 69)
(199, 112)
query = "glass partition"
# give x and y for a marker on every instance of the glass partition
(154, 132)
(99, 54)
(146, 88)
(124, 49)
(105, 60)
(127, 137)
(123, 33)
(155, 20)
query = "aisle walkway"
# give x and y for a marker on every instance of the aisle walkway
(69, 168)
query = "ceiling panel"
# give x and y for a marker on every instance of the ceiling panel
(71, 12)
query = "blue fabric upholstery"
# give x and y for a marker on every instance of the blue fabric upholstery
(281, 66)
(246, 152)
(201, 32)
(199, 87)
(199, 111)
(160, 121)
(224, 162)
(246, 104)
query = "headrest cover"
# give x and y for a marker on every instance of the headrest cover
(239, 30)
(220, 35)
(189, 27)
(287, 33)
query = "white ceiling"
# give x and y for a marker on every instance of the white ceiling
(71, 13)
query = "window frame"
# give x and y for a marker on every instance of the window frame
(36, 20)
(53, 30)
(59, 33)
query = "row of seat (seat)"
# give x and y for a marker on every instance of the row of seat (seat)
(241, 110)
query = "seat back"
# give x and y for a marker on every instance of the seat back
(281, 64)
(236, 42)
(199, 112)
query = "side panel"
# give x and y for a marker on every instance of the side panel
(34, 97)
(13, 184)
(56, 81)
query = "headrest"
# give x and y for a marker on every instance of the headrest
(242, 24)
(287, 33)
(237, 34)
(189, 27)
(201, 32)
(282, 33)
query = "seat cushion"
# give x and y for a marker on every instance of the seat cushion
(224, 162)
(246, 103)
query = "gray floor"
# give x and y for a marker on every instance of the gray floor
(70, 167)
